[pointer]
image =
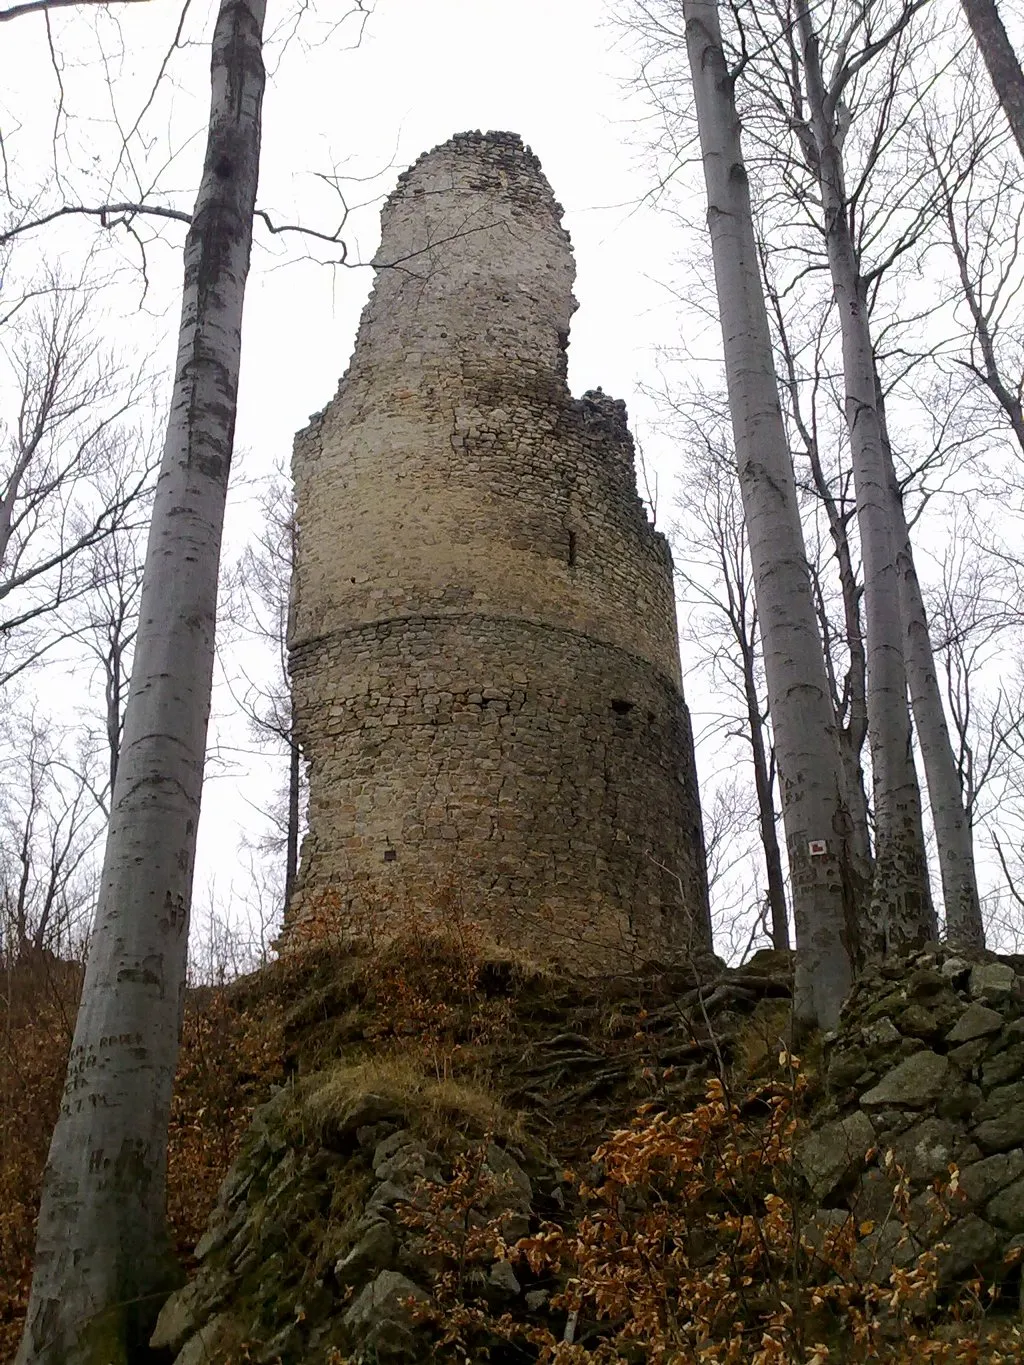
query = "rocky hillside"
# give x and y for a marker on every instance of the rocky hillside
(472, 1158)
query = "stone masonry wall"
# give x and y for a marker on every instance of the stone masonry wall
(483, 643)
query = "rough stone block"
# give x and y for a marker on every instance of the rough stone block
(982, 1179)
(832, 1153)
(977, 1021)
(991, 980)
(914, 1083)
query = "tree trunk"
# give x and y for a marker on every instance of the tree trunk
(854, 733)
(103, 1259)
(291, 866)
(862, 858)
(806, 745)
(953, 833)
(1001, 60)
(113, 686)
(765, 800)
(901, 912)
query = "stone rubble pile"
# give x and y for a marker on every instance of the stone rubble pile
(309, 1249)
(315, 1252)
(926, 1084)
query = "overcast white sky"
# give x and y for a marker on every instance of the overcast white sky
(552, 70)
(555, 71)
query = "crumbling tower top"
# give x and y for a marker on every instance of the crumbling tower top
(472, 238)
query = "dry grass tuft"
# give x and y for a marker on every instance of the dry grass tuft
(433, 1106)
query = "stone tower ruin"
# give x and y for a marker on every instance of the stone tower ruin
(483, 641)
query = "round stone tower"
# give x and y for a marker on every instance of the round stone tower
(483, 641)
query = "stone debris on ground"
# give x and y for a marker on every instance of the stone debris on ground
(926, 1082)
(315, 1245)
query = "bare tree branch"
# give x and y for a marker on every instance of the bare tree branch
(36, 6)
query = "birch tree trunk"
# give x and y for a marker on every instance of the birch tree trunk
(763, 788)
(953, 834)
(849, 696)
(813, 806)
(103, 1259)
(291, 852)
(1001, 60)
(901, 912)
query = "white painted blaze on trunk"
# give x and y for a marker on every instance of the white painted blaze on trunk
(806, 742)
(103, 1261)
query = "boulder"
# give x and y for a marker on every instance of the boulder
(217, 1340)
(883, 1033)
(1007, 1065)
(382, 1201)
(515, 1184)
(925, 982)
(977, 1021)
(844, 1067)
(381, 1318)
(982, 1179)
(871, 1201)
(374, 1251)
(991, 981)
(959, 1100)
(372, 1134)
(1001, 1119)
(181, 1317)
(883, 1249)
(835, 1151)
(1007, 1208)
(917, 1081)
(284, 1345)
(503, 1277)
(410, 1162)
(365, 1111)
(220, 1231)
(970, 1244)
(925, 1149)
(389, 1145)
(918, 1021)
(821, 1232)
(968, 1055)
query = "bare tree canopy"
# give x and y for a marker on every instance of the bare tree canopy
(75, 468)
(35, 6)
